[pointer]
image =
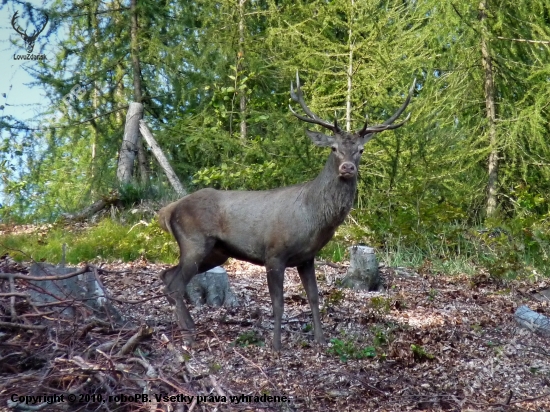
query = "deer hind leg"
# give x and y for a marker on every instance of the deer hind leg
(307, 275)
(176, 279)
(275, 279)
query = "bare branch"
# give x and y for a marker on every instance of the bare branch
(142, 333)
(60, 277)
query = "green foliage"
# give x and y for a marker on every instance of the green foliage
(422, 188)
(334, 251)
(346, 349)
(334, 298)
(107, 240)
(420, 353)
(249, 338)
(381, 305)
(215, 367)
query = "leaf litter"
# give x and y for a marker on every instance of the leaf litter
(428, 342)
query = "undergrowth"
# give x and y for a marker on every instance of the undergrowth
(108, 240)
(503, 252)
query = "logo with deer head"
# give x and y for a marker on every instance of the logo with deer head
(28, 39)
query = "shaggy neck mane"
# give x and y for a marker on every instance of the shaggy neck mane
(329, 197)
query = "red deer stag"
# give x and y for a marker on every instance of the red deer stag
(277, 228)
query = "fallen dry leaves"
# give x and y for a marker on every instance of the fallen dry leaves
(442, 343)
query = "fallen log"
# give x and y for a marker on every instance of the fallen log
(92, 209)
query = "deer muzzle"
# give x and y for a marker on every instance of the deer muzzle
(347, 170)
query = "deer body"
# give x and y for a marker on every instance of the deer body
(293, 223)
(278, 228)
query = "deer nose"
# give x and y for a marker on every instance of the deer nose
(347, 170)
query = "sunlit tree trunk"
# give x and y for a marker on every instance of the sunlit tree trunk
(350, 66)
(490, 108)
(138, 98)
(240, 59)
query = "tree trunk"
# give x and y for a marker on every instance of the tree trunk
(163, 161)
(240, 59)
(350, 67)
(129, 143)
(138, 98)
(490, 109)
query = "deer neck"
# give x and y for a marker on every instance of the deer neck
(329, 197)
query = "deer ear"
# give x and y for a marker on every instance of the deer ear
(320, 139)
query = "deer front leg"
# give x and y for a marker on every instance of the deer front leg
(275, 278)
(307, 275)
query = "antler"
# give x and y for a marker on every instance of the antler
(18, 30)
(310, 117)
(367, 132)
(36, 33)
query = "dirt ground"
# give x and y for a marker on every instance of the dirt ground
(428, 342)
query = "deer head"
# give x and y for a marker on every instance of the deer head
(29, 40)
(346, 147)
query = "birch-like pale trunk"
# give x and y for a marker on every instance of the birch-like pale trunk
(490, 109)
(130, 141)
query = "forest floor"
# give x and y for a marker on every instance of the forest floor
(428, 342)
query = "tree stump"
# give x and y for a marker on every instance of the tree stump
(79, 296)
(533, 321)
(363, 271)
(211, 288)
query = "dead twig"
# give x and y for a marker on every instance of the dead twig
(216, 386)
(178, 388)
(151, 372)
(15, 294)
(257, 366)
(132, 271)
(106, 346)
(92, 323)
(9, 325)
(9, 355)
(28, 277)
(13, 312)
(24, 407)
(143, 332)
(32, 315)
(535, 398)
(509, 398)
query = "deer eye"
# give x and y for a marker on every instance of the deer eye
(333, 148)
(361, 151)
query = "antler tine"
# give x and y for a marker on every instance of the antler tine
(13, 24)
(388, 124)
(35, 35)
(310, 117)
